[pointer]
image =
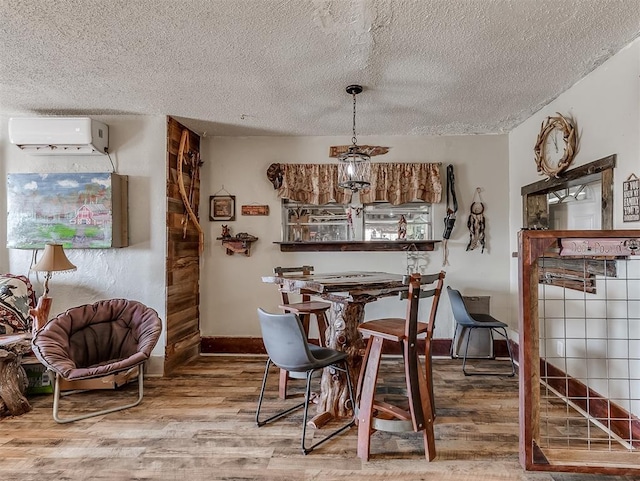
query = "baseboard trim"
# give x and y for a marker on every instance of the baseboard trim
(254, 345)
(622, 422)
(154, 366)
(232, 345)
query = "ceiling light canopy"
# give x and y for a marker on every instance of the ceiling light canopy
(354, 169)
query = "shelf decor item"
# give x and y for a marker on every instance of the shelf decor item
(402, 228)
(240, 243)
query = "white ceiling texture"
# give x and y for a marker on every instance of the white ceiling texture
(280, 67)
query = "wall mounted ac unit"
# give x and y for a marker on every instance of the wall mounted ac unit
(59, 135)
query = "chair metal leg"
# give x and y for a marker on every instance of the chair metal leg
(305, 403)
(307, 450)
(485, 373)
(275, 416)
(513, 366)
(464, 356)
(454, 341)
(57, 396)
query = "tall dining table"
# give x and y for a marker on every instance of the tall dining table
(348, 293)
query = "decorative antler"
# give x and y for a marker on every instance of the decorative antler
(184, 141)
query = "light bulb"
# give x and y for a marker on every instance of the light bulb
(350, 170)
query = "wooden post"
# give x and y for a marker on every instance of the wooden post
(342, 335)
(40, 314)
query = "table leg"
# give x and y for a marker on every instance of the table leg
(342, 334)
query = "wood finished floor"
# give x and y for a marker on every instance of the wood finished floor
(198, 424)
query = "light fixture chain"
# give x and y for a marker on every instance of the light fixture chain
(353, 139)
(354, 169)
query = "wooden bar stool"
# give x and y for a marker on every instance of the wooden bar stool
(377, 415)
(304, 310)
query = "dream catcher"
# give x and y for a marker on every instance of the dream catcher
(476, 223)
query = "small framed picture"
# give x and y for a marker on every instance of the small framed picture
(222, 207)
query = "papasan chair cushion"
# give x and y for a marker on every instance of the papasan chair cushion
(98, 339)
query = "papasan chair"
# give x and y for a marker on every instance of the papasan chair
(97, 340)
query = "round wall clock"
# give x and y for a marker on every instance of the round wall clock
(556, 145)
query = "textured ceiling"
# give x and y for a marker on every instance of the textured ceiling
(278, 67)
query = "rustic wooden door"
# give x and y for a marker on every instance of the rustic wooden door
(183, 252)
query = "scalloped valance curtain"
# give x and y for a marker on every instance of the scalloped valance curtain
(396, 183)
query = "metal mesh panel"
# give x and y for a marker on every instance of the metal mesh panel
(589, 344)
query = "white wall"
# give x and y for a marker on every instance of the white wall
(138, 146)
(231, 287)
(606, 106)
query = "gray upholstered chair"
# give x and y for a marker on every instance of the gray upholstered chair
(97, 340)
(304, 310)
(478, 321)
(286, 344)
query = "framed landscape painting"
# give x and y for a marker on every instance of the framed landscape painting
(77, 210)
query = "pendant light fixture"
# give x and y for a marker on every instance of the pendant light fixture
(354, 168)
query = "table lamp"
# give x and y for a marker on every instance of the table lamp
(53, 260)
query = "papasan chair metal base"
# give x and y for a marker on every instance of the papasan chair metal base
(94, 341)
(57, 394)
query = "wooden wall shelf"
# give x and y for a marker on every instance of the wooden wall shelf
(350, 246)
(240, 245)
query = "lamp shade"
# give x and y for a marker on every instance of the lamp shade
(53, 260)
